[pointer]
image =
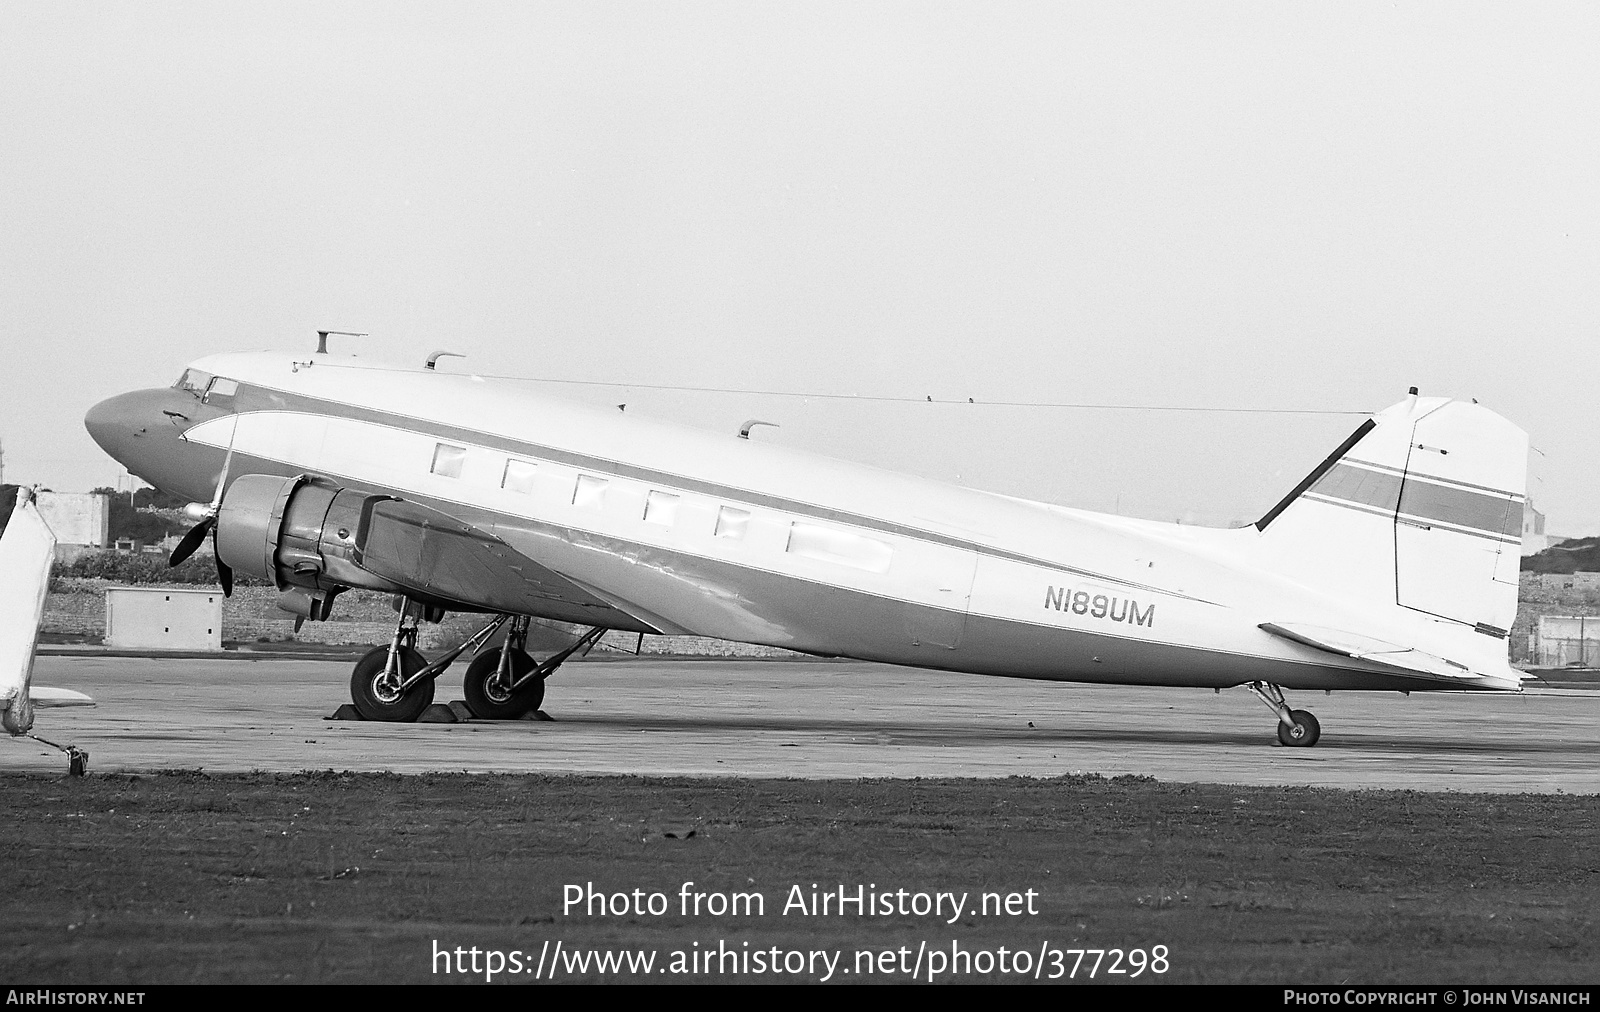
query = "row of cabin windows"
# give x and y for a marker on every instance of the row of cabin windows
(808, 540)
(660, 508)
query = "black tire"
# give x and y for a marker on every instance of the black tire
(489, 700)
(374, 701)
(1305, 733)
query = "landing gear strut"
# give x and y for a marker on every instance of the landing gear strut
(506, 683)
(1296, 728)
(395, 683)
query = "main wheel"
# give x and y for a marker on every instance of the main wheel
(1305, 732)
(489, 698)
(378, 697)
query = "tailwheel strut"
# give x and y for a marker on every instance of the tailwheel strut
(1296, 728)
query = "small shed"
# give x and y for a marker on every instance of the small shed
(163, 618)
(1567, 640)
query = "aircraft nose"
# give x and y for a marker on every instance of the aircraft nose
(143, 431)
(130, 426)
(116, 421)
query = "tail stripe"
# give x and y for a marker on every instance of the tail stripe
(1387, 514)
(1492, 513)
(1497, 516)
(1359, 485)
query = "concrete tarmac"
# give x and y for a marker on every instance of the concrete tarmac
(656, 717)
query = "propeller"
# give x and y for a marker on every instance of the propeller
(191, 540)
(206, 513)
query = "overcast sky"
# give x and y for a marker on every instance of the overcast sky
(1284, 206)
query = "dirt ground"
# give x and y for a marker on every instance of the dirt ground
(340, 877)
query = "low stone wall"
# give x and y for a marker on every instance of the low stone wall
(77, 607)
(687, 646)
(79, 612)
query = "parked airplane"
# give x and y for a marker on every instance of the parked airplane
(1392, 566)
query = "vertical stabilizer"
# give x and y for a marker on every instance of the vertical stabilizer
(27, 547)
(1421, 508)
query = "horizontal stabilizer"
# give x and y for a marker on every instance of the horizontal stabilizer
(1368, 648)
(44, 695)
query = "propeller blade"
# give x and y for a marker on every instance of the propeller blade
(227, 462)
(224, 571)
(191, 541)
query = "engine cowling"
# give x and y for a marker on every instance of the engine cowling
(299, 533)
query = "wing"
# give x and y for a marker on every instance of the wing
(440, 556)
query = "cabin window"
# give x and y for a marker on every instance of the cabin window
(220, 392)
(827, 544)
(731, 523)
(661, 508)
(518, 477)
(447, 460)
(590, 492)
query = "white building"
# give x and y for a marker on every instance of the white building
(1534, 539)
(79, 520)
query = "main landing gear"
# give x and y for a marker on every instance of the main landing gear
(1296, 728)
(395, 683)
(504, 684)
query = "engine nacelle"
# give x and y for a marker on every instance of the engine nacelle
(299, 533)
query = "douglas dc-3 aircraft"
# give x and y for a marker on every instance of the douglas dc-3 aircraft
(1392, 566)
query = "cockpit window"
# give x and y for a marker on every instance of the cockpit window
(221, 391)
(194, 381)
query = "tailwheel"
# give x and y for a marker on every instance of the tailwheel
(378, 691)
(1303, 734)
(1296, 728)
(492, 688)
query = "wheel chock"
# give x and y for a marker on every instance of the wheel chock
(438, 713)
(536, 715)
(459, 708)
(345, 712)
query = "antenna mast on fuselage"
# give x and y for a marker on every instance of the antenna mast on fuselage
(322, 338)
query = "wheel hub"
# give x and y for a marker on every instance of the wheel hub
(386, 687)
(497, 688)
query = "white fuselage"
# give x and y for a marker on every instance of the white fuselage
(697, 532)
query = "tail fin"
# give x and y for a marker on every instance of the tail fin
(1421, 507)
(27, 547)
